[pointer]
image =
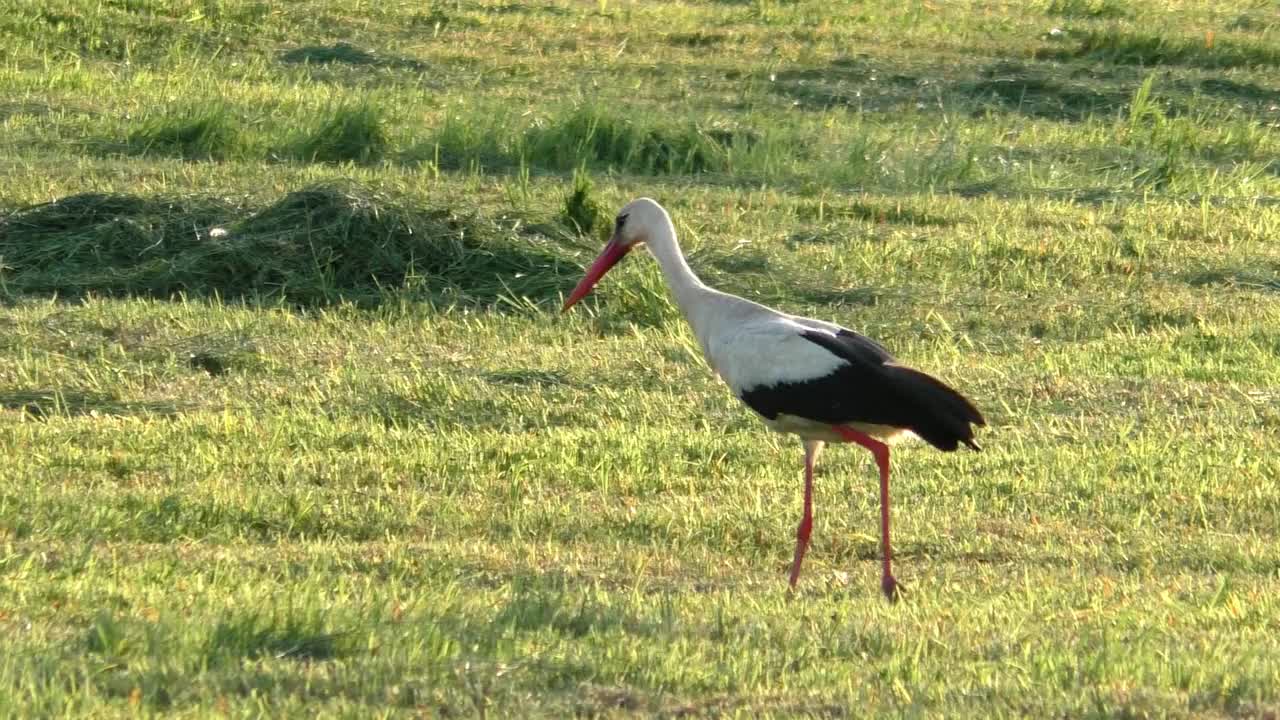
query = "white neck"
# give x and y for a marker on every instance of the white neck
(686, 286)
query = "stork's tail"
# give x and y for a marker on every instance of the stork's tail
(940, 415)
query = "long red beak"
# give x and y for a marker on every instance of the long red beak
(612, 253)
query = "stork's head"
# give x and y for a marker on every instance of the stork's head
(635, 223)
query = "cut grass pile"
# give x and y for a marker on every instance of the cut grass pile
(324, 244)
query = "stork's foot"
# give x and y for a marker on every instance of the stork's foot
(892, 590)
(795, 575)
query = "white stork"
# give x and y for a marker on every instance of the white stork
(806, 377)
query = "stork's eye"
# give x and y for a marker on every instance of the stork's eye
(622, 220)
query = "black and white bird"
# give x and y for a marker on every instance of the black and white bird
(806, 377)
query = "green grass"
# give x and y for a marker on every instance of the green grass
(349, 134)
(207, 133)
(1149, 49)
(291, 424)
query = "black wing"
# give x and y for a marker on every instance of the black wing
(872, 388)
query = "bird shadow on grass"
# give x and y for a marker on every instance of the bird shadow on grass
(44, 404)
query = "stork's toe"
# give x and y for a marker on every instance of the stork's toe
(893, 592)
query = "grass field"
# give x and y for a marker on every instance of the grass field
(290, 424)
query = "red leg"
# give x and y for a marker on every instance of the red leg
(806, 521)
(881, 453)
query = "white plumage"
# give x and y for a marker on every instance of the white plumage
(807, 377)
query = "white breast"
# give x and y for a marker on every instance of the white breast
(758, 347)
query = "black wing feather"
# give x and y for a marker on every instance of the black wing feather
(873, 389)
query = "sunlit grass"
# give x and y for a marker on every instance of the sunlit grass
(290, 423)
